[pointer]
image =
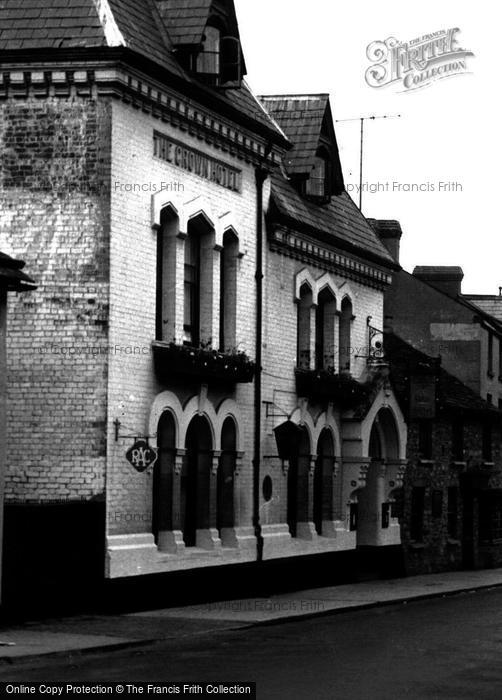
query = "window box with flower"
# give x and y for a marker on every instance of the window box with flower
(204, 364)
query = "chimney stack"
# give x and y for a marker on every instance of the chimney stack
(389, 232)
(447, 279)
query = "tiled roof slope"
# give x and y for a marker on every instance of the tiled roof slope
(340, 219)
(185, 19)
(488, 303)
(301, 118)
(451, 392)
(245, 101)
(143, 31)
(50, 24)
(37, 24)
(135, 24)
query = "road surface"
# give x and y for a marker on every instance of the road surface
(441, 648)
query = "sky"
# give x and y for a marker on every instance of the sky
(446, 141)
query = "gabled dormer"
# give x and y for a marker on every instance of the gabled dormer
(313, 165)
(205, 38)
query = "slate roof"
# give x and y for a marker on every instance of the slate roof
(186, 19)
(301, 118)
(488, 303)
(133, 24)
(452, 394)
(339, 220)
(11, 276)
(50, 24)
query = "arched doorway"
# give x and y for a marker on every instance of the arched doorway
(163, 476)
(195, 480)
(225, 482)
(373, 508)
(323, 480)
(298, 483)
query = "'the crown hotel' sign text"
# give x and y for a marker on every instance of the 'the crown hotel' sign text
(196, 162)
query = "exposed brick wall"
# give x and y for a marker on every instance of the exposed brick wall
(437, 551)
(54, 214)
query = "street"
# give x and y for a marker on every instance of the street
(439, 648)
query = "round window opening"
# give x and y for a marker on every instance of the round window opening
(267, 488)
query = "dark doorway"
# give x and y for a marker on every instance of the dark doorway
(163, 476)
(298, 475)
(225, 487)
(195, 480)
(323, 478)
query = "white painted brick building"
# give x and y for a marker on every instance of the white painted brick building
(131, 187)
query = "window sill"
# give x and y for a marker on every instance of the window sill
(458, 464)
(417, 545)
(426, 462)
(453, 542)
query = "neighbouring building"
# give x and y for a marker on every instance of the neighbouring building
(208, 292)
(428, 310)
(324, 371)
(489, 303)
(450, 507)
(12, 279)
(443, 353)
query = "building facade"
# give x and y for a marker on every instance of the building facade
(443, 351)
(326, 273)
(431, 313)
(450, 504)
(200, 370)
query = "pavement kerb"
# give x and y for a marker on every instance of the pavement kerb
(356, 607)
(243, 625)
(119, 646)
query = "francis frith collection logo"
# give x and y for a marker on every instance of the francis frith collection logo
(417, 63)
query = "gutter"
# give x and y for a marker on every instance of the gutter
(261, 174)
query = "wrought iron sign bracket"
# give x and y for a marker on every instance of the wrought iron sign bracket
(137, 436)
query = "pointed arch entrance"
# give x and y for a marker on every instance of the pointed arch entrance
(225, 517)
(195, 480)
(323, 480)
(162, 486)
(373, 512)
(298, 483)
